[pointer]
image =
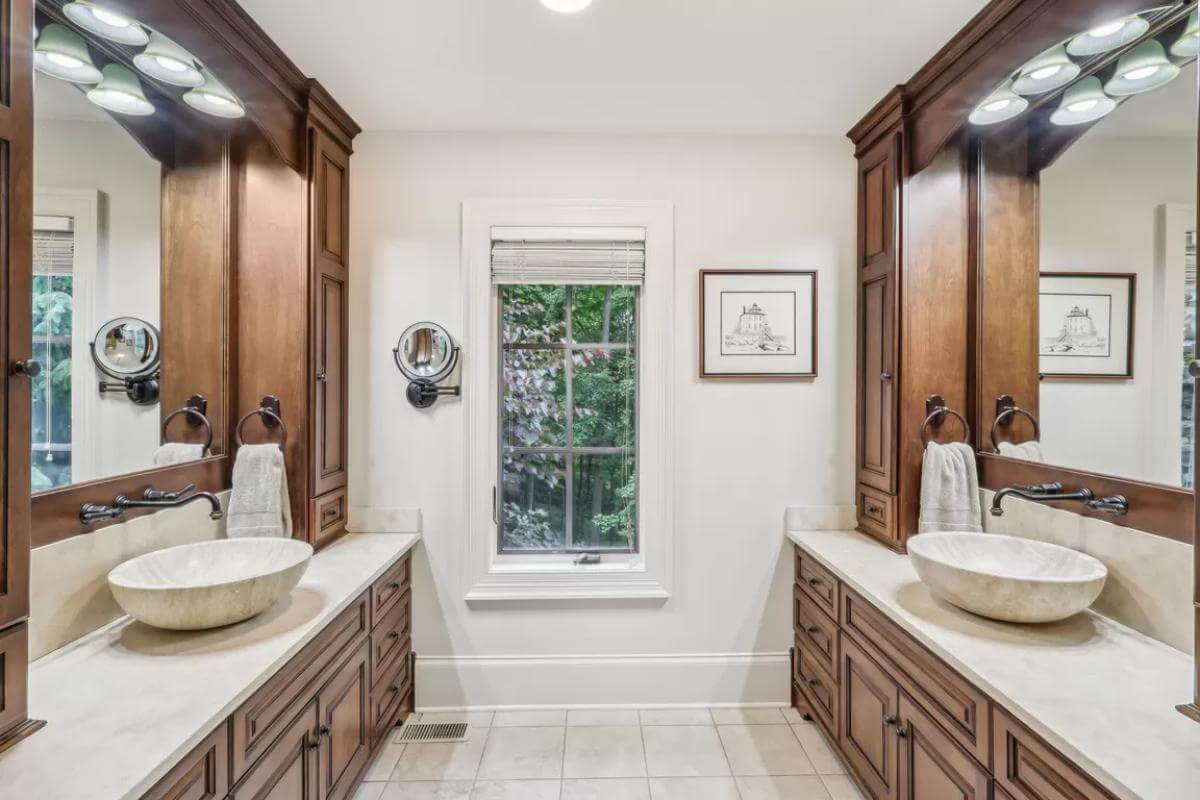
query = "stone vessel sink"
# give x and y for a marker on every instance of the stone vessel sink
(1006, 577)
(209, 584)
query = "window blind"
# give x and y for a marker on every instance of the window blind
(602, 257)
(53, 252)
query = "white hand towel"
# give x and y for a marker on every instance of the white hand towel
(259, 503)
(950, 490)
(1026, 451)
(177, 453)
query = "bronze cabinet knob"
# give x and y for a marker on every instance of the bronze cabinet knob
(886, 376)
(27, 368)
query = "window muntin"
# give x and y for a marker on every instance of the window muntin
(568, 419)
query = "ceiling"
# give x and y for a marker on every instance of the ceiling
(620, 66)
(60, 101)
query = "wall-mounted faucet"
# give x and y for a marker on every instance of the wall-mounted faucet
(1054, 493)
(151, 498)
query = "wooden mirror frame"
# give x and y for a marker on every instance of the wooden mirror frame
(279, 100)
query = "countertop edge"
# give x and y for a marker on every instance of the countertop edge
(152, 777)
(1018, 710)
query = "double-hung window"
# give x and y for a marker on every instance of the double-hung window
(567, 471)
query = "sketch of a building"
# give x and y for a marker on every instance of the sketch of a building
(752, 332)
(1078, 333)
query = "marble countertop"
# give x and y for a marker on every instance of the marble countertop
(1100, 692)
(126, 702)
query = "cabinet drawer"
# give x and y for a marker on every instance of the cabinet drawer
(819, 689)
(815, 631)
(203, 774)
(14, 656)
(388, 590)
(388, 697)
(258, 721)
(328, 517)
(820, 583)
(1028, 769)
(877, 514)
(957, 706)
(389, 636)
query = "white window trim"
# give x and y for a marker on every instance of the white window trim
(647, 575)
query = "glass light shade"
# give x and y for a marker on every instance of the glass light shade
(1083, 103)
(1188, 45)
(63, 54)
(999, 106)
(1143, 68)
(109, 24)
(214, 97)
(1051, 70)
(1108, 36)
(166, 61)
(566, 6)
(121, 92)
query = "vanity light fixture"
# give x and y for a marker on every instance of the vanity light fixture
(1188, 45)
(566, 6)
(1143, 68)
(214, 97)
(1083, 103)
(999, 106)
(1051, 70)
(1109, 36)
(62, 53)
(108, 24)
(166, 61)
(121, 92)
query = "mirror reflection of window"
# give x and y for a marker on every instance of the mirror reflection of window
(53, 320)
(1188, 414)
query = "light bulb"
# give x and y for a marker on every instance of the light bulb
(1142, 72)
(1081, 106)
(216, 99)
(566, 6)
(1107, 29)
(64, 61)
(998, 105)
(170, 64)
(110, 17)
(1045, 72)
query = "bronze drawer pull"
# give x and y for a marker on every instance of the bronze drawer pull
(812, 630)
(394, 635)
(324, 731)
(902, 732)
(815, 582)
(890, 720)
(874, 510)
(311, 743)
(814, 682)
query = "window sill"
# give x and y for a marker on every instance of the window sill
(580, 584)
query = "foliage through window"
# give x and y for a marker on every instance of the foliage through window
(568, 419)
(53, 316)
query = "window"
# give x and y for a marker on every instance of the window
(1189, 355)
(568, 418)
(53, 324)
(568, 379)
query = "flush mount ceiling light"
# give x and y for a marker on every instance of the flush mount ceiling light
(215, 98)
(1188, 45)
(1051, 70)
(166, 61)
(1143, 68)
(1002, 104)
(566, 6)
(1108, 36)
(62, 53)
(1083, 103)
(109, 24)
(121, 92)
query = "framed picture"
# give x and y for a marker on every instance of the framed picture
(758, 324)
(1085, 325)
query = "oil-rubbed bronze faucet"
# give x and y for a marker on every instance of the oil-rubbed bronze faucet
(1054, 493)
(151, 498)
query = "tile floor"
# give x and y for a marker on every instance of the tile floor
(651, 754)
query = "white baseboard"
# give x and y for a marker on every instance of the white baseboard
(595, 681)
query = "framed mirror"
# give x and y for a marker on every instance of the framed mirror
(133, 191)
(1086, 315)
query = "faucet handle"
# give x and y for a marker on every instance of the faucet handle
(1116, 504)
(158, 494)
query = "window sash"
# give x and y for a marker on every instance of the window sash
(570, 451)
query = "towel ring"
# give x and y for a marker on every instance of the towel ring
(268, 412)
(193, 414)
(1004, 415)
(937, 409)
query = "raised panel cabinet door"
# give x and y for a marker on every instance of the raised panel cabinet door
(878, 194)
(932, 767)
(329, 445)
(869, 712)
(344, 708)
(877, 392)
(288, 769)
(203, 774)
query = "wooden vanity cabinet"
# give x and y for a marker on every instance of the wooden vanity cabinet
(202, 775)
(907, 725)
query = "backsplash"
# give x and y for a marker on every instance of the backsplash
(1150, 579)
(69, 594)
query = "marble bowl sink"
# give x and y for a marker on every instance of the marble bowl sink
(1006, 577)
(209, 584)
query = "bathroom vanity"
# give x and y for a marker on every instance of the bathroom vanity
(925, 701)
(290, 704)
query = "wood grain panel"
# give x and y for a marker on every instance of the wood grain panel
(869, 708)
(815, 631)
(820, 583)
(1029, 769)
(932, 766)
(343, 708)
(819, 688)
(288, 770)
(203, 774)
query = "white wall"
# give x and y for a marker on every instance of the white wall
(1098, 214)
(744, 450)
(100, 156)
